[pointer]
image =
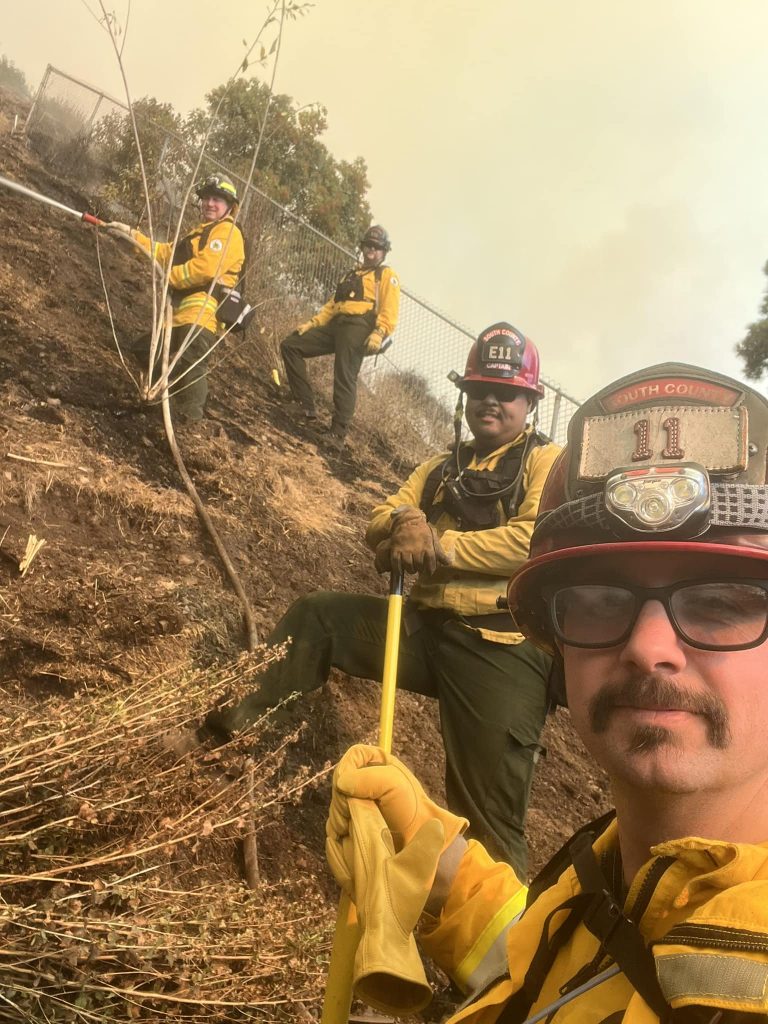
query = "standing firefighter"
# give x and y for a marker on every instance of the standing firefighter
(463, 520)
(352, 324)
(205, 264)
(648, 583)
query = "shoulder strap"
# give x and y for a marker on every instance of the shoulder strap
(518, 460)
(619, 937)
(598, 910)
(376, 285)
(205, 235)
(561, 860)
(240, 282)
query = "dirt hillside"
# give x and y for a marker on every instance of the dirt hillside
(127, 589)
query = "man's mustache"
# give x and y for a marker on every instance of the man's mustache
(657, 692)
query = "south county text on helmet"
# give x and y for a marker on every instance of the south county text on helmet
(671, 459)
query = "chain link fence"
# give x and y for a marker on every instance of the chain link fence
(292, 268)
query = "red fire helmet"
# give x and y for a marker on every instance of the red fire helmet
(673, 458)
(503, 355)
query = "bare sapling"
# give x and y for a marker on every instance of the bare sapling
(167, 373)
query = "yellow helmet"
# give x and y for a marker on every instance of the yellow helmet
(217, 185)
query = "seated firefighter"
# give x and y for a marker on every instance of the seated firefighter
(352, 324)
(462, 520)
(204, 265)
(648, 583)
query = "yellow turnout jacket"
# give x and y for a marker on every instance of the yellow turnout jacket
(701, 906)
(383, 295)
(483, 560)
(221, 257)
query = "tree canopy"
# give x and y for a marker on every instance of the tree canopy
(13, 78)
(294, 167)
(165, 159)
(753, 348)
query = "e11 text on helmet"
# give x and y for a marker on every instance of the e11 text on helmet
(503, 355)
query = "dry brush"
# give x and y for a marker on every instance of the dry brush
(120, 895)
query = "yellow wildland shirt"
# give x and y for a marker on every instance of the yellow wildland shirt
(701, 907)
(193, 268)
(482, 560)
(362, 291)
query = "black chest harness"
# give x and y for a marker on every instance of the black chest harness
(351, 287)
(599, 907)
(472, 496)
(184, 252)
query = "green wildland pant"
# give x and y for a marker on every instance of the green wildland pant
(345, 336)
(492, 699)
(188, 393)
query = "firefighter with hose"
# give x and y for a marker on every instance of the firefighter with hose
(206, 266)
(463, 522)
(648, 585)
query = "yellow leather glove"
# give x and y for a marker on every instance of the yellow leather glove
(389, 891)
(303, 328)
(412, 545)
(367, 773)
(373, 343)
(118, 228)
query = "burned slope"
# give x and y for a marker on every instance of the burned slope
(127, 589)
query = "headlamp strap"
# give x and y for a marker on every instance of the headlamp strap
(738, 506)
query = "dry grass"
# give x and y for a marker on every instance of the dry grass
(302, 494)
(89, 475)
(120, 897)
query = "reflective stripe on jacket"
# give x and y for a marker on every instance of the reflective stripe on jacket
(483, 560)
(702, 908)
(388, 303)
(222, 255)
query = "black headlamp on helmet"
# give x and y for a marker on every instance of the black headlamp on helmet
(219, 186)
(673, 452)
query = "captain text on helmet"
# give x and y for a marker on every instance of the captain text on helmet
(648, 583)
(463, 520)
(204, 265)
(354, 323)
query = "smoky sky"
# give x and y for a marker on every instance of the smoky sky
(593, 173)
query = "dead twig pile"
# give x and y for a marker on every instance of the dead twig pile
(119, 893)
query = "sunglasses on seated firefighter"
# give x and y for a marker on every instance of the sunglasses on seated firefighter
(479, 389)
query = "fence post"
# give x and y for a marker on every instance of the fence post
(555, 414)
(92, 118)
(38, 94)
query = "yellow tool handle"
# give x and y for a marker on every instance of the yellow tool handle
(391, 650)
(338, 989)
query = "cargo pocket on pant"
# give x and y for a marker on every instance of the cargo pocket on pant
(507, 798)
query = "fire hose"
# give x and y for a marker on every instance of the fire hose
(14, 186)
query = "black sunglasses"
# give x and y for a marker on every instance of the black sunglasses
(716, 615)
